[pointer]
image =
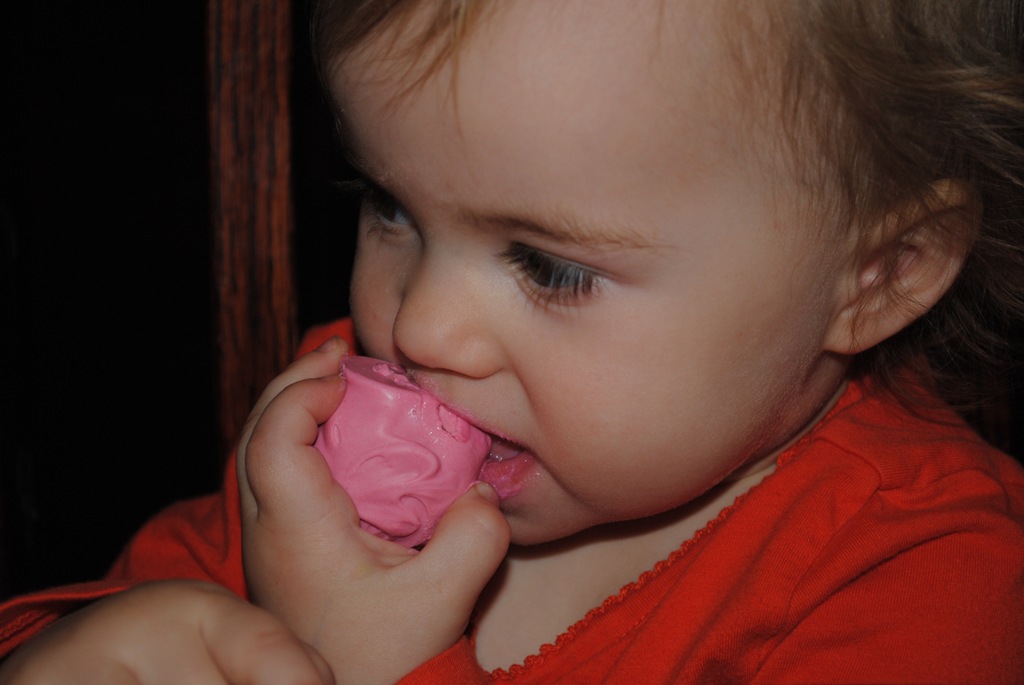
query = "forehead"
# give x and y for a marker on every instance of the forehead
(529, 51)
(555, 90)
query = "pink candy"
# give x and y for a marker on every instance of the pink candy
(401, 455)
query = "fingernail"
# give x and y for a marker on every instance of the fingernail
(329, 343)
(487, 492)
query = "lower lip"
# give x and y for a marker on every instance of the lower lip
(507, 476)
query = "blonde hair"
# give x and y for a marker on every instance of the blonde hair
(914, 93)
(888, 97)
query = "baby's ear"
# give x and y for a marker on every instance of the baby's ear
(904, 265)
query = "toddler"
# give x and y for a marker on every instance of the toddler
(713, 275)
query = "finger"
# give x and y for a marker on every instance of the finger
(268, 653)
(468, 545)
(279, 460)
(280, 452)
(323, 361)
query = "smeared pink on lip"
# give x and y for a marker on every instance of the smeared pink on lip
(507, 467)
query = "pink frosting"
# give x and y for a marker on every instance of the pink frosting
(401, 455)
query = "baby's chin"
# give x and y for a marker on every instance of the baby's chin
(552, 521)
(537, 523)
(540, 537)
(399, 452)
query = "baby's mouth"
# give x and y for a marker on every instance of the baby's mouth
(507, 467)
(502, 449)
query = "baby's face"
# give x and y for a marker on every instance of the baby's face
(578, 246)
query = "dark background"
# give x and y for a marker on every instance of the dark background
(106, 362)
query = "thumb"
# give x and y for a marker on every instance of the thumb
(468, 545)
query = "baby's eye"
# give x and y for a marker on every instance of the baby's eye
(382, 212)
(549, 279)
(384, 208)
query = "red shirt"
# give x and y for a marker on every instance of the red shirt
(885, 548)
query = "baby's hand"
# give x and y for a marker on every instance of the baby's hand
(374, 609)
(167, 632)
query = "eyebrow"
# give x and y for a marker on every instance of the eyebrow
(563, 229)
(357, 164)
(560, 229)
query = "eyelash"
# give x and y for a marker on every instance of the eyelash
(382, 205)
(548, 279)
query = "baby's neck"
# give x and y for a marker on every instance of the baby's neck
(541, 591)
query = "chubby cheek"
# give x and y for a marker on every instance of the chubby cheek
(612, 464)
(600, 444)
(645, 422)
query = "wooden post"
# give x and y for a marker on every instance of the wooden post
(249, 72)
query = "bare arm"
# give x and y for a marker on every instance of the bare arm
(167, 632)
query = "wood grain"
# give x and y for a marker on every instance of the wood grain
(249, 72)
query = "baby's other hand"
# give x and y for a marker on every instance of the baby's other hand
(167, 632)
(374, 609)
